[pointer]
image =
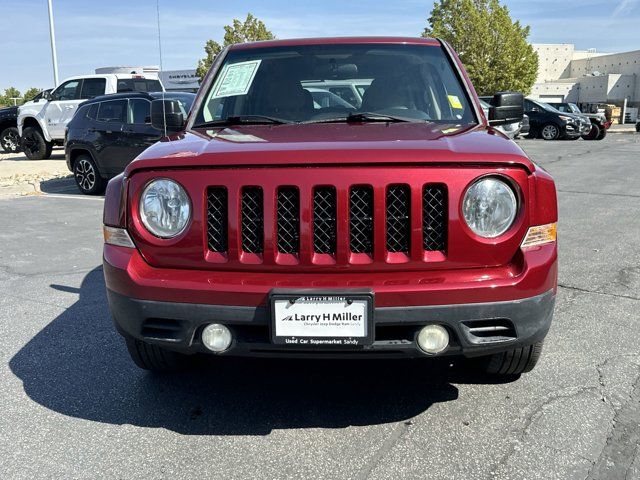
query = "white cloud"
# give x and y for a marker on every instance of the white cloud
(624, 6)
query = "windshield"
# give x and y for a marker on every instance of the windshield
(315, 83)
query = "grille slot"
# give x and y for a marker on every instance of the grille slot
(398, 218)
(434, 217)
(288, 220)
(252, 220)
(361, 219)
(217, 219)
(324, 220)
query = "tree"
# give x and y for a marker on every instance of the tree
(29, 94)
(492, 47)
(250, 30)
(9, 94)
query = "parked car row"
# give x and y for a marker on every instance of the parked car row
(550, 123)
(41, 123)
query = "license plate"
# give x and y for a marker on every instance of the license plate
(317, 320)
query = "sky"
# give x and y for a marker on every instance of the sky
(93, 33)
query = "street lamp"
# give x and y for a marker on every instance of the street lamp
(54, 57)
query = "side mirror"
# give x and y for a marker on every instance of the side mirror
(506, 107)
(169, 111)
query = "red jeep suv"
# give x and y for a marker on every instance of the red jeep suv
(387, 219)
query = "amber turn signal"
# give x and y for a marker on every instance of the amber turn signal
(540, 235)
(117, 236)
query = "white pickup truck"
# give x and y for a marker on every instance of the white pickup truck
(41, 125)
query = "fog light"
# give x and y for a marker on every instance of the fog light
(216, 337)
(433, 338)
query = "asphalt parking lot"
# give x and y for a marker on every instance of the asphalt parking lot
(72, 404)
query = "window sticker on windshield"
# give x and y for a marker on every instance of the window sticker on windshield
(454, 101)
(236, 79)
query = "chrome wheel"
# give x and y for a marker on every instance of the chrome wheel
(85, 175)
(550, 132)
(10, 140)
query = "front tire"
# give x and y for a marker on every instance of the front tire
(603, 133)
(34, 146)
(550, 131)
(515, 361)
(10, 140)
(593, 134)
(155, 359)
(87, 176)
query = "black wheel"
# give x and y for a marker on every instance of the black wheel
(87, 176)
(33, 144)
(638, 127)
(156, 359)
(550, 131)
(533, 133)
(10, 140)
(593, 133)
(603, 133)
(514, 362)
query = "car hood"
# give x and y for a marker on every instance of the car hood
(326, 144)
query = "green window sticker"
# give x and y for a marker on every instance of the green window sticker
(236, 79)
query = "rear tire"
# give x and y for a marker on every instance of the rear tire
(87, 176)
(550, 131)
(34, 146)
(593, 134)
(10, 140)
(514, 362)
(155, 359)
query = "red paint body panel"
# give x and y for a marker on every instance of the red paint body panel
(529, 274)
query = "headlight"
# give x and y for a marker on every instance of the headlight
(165, 208)
(566, 119)
(489, 207)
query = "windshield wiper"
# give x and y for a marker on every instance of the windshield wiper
(364, 117)
(245, 120)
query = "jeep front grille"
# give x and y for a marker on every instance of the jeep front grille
(252, 220)
(361, 219)
(324, 220)
(288, 220)
(217, 222)
(434, 218)
(398, 218)
(306, 221)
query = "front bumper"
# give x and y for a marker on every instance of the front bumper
(486, 310)
(474, 329)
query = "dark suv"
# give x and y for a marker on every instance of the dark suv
(551, 124)
(9, 138)
(108, 132)
(599, 122)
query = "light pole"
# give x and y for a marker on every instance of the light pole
(54, 57)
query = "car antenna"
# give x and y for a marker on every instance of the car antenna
(164, 112)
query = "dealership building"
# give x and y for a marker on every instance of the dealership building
(587, 77)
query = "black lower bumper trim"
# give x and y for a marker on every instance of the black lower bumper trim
(475, 329)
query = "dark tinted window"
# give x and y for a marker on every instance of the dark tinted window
(66, 91)
(112, 111)
(139, 85)
(93, 111)
(92, 87)
(139, 111)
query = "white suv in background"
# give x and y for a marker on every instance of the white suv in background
(42, 124)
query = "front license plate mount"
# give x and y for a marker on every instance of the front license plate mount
(321, 319)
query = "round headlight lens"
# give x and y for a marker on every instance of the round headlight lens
(165, 208)
(489, 207)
